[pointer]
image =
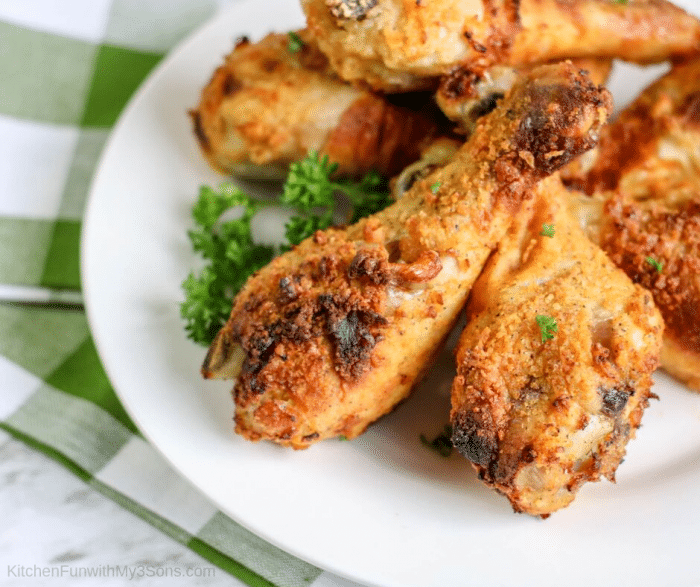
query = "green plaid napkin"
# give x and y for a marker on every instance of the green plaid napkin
(67, 71)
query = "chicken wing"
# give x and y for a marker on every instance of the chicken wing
(554, 366)
(269, 105)
(644, 179)
(333, 334)
(397, 45)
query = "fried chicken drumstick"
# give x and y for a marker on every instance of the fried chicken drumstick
(268, 106)
(554, 366)
(396, 45)
(333, 334)
(644, 179)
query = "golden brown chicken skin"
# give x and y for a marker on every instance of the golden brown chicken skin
(644, 179)
(395, 45)
(651, 146)
(465, 94)
(637, 237)
(271, 103)
(333, 334)
(540, 411)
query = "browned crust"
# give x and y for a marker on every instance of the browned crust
(548, 134)
(322, 300)
(633, 234)
(549, 137)
(631, 141)
(467, 93)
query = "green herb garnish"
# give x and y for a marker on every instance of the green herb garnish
(442, 443)
(295, 43)
(231, 254)
(655, 264)
(435, 187)
(228, 248)
(548, 230)
(548, 326)
(311, 190)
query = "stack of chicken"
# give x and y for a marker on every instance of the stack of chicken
(572, 244)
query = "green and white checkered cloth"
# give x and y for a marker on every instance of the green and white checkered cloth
(67, 71)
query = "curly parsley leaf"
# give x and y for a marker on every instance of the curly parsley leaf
(229, 250)
(301, 227)
(231, 254)
(309, 183)
(311, 190)
(368, 196)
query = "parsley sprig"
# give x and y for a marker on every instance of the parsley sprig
(229, 249)
(232, 255)
(312, 190)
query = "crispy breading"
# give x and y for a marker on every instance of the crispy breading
(651, 147)
(396, 45)
(465, 94)
(539, 416)
(333, 334)
(644, 179)
(267, 106)
(637, 234)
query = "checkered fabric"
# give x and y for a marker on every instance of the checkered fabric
(67, 71)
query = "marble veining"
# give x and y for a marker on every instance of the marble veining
(49, 518)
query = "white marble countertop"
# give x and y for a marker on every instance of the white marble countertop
(51, 522)
(50, 519)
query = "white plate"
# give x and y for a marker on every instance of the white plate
(382, 509)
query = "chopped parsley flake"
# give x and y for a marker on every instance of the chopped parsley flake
(548, 326)
(655, 264)
(547, 230)
(435, 187)
(295, 43)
